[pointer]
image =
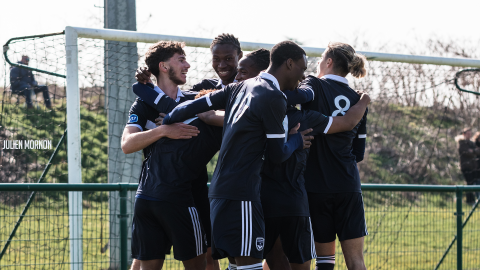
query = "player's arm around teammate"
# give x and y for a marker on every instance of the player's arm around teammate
(332, 178)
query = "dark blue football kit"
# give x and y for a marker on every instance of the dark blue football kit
(254, 113)
(331, 177)
(166, 210)
(284, 198)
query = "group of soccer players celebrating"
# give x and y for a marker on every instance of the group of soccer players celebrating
(286, 182)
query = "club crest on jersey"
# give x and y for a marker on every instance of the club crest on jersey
(133, 118)
(260, 243)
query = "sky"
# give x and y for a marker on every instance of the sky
(382, 24)
(312, 22)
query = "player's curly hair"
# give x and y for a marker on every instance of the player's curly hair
(204, 92)
(162, 51)
(346, 60)
(285, 50)
(261, 58)
(227, 39)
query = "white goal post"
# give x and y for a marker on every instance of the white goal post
(72, 34)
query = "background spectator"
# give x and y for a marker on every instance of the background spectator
(23, 83)
(468, 159)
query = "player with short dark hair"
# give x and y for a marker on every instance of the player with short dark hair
(172, 67)
(331, 177)
(253, 126)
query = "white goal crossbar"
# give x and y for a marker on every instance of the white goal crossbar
(73, 100)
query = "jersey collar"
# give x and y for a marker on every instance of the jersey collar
(220, 83)
(160, 91)
(336, 78)
(270, 77)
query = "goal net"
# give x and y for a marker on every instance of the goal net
(415, 115)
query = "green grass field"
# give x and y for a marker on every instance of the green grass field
(404, 233)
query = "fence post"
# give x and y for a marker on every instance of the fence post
(459, 195)
(123, 227)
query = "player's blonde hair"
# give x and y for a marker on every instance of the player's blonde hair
(346, 60)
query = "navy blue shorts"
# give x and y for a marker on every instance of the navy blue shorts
(335, 214)
(238, 228)
(296, 236)
(158, 225)
(202, 203)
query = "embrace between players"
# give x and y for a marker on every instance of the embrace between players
(271, 196)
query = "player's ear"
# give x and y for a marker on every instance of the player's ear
(163, 66)
(240, 55)
(329, 62)
(289, 63)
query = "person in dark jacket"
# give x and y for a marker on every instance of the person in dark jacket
(23, 83)
(476, 140)
(468, 163)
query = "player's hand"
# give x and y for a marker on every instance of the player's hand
(159, 120)
(364, 96)
(143, 75)
(180, 131)
(307, 140)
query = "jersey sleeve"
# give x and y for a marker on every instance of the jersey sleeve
(137, 116)
(299, 96)
(318, 122)
(308, 87)
(213, 101)
(273, 115)
(159, 101)
(359, 142)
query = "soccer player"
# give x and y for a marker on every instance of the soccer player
(167, 60)
(253, 126)
(284, 198)
(226, 53)
(331, 177)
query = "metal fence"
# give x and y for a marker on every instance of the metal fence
(410, 227)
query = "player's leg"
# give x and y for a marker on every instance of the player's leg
(351, 228)
(238, 230)
(274, 255)
(135, 265)
(185, 230)
(197, 263)
(200, 197)
(211, 263)
(353, 253)
(276, 258)
(297, 241)
(323, 227)
(151, 264)
(149, 239)
(325, 256)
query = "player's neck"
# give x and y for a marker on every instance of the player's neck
(277, 74)
(168, 87)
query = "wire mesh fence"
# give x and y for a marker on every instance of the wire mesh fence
(407, 229)
(414, 118)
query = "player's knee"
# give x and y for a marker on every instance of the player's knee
(356, 263)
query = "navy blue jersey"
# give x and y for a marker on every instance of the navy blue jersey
(283, 189)
(207, 84)
(254, 111)
(143, 116)
(332, 166)
(172, 165)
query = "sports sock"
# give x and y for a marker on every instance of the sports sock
(325, 262)
(232, 267)
(257, 266)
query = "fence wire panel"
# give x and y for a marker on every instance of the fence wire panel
(415, 115)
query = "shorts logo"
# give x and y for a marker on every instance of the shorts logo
(260, 243)
(133, 118)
